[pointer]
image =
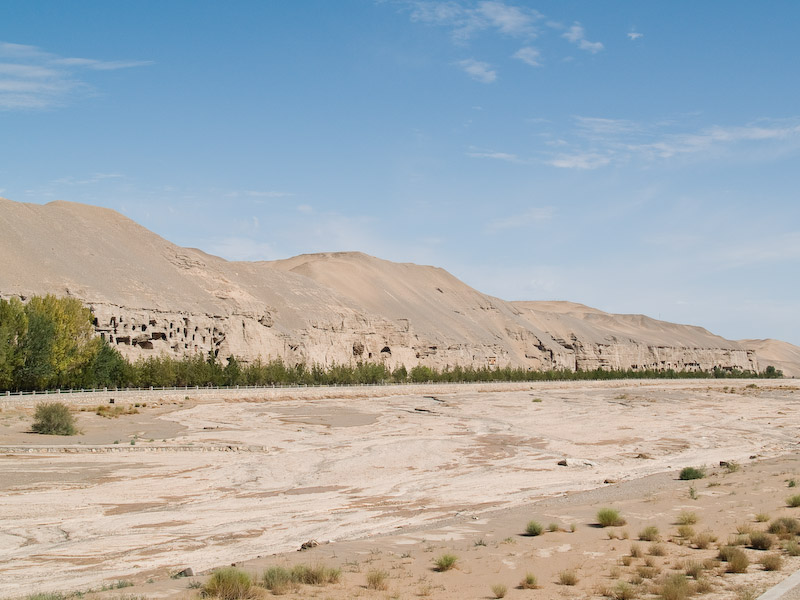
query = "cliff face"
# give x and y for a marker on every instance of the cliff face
(150, 296)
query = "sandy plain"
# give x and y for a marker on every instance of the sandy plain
(387, 479)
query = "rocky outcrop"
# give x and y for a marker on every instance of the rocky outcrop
(151, 297)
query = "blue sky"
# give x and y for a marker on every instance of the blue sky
(640, 160)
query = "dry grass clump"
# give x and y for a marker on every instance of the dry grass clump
(229, 583)
(686, 532)
(693, 569)
(784, 527)
(657, 550)
(499, 590)
(687, 518)
(553, 527)
(636, 551)
(737, 561)
(376, 580)
(647, 571)
(610, 517)
(689, 473)
(792, 548)
(445, 562)
(622, 591)
(316, 575)
(760, 540)
(704, 539)
(762, 518)
(703, 586)
(772, 562)
(674, 587)
(793, 501)
(115, 411)
(649, 534)
(534, 528)
(529, 582)
(278, 580)
(568, 577)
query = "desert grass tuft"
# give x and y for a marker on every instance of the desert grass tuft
(229, 583)
(376, 580)
(499, 590)
(772, 562)
(693, 569)
(609, 517)
(784, 525)
(793, 501)
(278, 580)
(762, 518)
(674, 587)
(792, 548)
(650, 534)
(687, 518)
(568, 577)
(760, 540)
(636, 551)
(686, 532)
(657, 549)
(623, 591)
(704, 539)
(738, 561)
(529, 582)
(445, 562)
(534, 528)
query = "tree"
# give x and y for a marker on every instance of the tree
(13, 326)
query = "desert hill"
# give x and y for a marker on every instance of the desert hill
(151, 296)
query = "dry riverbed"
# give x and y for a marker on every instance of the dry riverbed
(389, 481)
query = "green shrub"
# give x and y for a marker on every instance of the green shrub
(316, 575)
(793, 501)
(529, 582)
(737, 561)
(792, 548)
(762, 518)
(229, 583)
(278, 580)
(499, 590)
(761, 540)
(53, 418)
(553, 527)
(445, 562)
(624, 591)
(649, 534)
(534, 528)
(376, 579)
(686, 531)
(688, 473)
(609, 517)
(687, 518)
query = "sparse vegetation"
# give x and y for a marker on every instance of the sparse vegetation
(737, 561)
(499, 590)
(793, 501)
(784, 526)
(657, 550)
(53, 418)
(609, 517)
(534, 528)
(553, 527)
(636, 551)
(762, 518)
(689, 473)
(687, 518)
(445, 562)
(315, 575)
(760, 540)
(686, 531)
(694, 569)
(792, 548)
(529, 582)
(278, 580)
(675, 587)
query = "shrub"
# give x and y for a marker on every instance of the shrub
(278, 580)
(499, 590)
(693, 569)
(784, 526)
(792, 548)
(772, 562)
(657, 550)
(675, 587)
(687, 518)
(703, 586)
(553, 527)
(568, 577)
(376, 579)
(762, 518)
(316, 575)
(737, 561)
(445, 562)
(647, 572)
(649, 534)
(529, 582)
(761, 540)
(609, 517)
(686, 531)
(534, 528)
(624, 591)
(636, 550)
(229, 583)
(704, 539)
(793, 501)
(53, 418)
(688, 473)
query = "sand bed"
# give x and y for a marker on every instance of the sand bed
(226, 481)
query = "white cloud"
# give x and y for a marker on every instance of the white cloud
(464, 21)
(529, 217)
(529, 55)
(31, 78)
(577, 36)
(509, 19)
(478, 70)
(634, 35)
(513, 158)
(591, 160)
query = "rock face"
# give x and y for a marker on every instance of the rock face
(150, 296)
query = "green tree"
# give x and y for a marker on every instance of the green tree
(13, 326)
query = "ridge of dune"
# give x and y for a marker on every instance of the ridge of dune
(151, 296)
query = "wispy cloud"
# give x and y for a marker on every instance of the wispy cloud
(478, 70)
(577, 36)
(529, 55)
(31, 78)
(464, 21)
(590, 160)
(259, 196)
(635, 35)
(505, 156)
(525, 219)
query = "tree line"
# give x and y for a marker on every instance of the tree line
(49, 343)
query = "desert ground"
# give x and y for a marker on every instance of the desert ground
(387, 479)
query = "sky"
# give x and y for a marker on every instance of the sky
(637, 157)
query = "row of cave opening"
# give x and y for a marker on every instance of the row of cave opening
(358, 350)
